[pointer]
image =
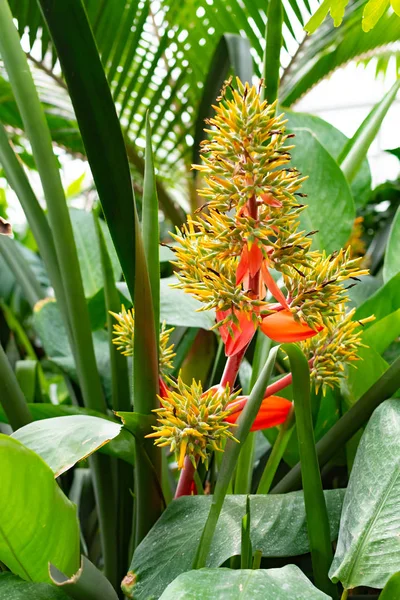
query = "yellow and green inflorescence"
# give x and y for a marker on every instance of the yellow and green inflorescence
(192, 422)
(123, 331)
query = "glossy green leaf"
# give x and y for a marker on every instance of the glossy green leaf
(356, 149)
(14, 588)
(89, 252)
(278, 528)
(333, 140)
(38, 523)
(392, 588)
(287, 583)
(328, 199)
(382, 303)
(391, 265)
(63, 441)
(380, 334)
(368, 549)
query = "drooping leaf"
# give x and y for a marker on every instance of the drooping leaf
(278, 528)
(368, 549)
(287, 583)
(14, 588)
(63, 441)
(328, 199)
(38, 523)
(391, 266)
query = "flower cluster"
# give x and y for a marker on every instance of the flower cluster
(192, 422)
(123, 331)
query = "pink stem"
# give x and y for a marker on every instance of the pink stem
(232, 368)
(184, 487)
(279, 385)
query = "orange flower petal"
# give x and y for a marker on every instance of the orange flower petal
(255, 259)
(282, 327)
(241, 335)
(273, 411)
(243, 266)
(270, 200)
(271, 285)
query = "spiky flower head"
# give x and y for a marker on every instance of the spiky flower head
(192, 422)
(334, 348)
(123, 331)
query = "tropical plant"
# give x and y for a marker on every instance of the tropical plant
(206, 416)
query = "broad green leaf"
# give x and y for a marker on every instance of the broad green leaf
(278, 528)
(287, 583)
(368, 370)
(383, 302)
(63, 441)
(89, 583)
(382, 333)
(333, 141)
(391, 265)
(392, 588)
(373, 11)
(89, 252)
(368, 549)
(329, 201)
(14, 588)
(38, 523)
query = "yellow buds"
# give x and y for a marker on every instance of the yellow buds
(192, 422)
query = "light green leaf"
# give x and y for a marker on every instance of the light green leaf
(373, 11)
(335, 7)
(391, 264)
(333, 141)
(63, 441)
(89, 252)
(330, 207)
(368, 549)
(14, 588)
(38, 523)
(287, 583)
(383, 302)
(278, 528)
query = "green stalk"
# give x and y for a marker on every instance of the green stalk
(272, 54)
(11, 396)
(149, 502)
(244, 469)
(39, 136)
(121, 401)
(348, 425)
(150, 229)
(37, 220)
(316, 511)
(230, 457)
(277, 453)
(21, 269)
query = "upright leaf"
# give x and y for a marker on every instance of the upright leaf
(391, 266)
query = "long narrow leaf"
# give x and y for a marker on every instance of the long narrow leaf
(272, 55)
(316, 511)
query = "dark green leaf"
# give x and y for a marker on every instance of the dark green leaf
(368, 549)
(14, 588)
(278, 528)
(287, 583)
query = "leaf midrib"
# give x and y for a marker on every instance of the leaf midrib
(4, 536)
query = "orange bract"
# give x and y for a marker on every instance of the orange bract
(273, 411)
(282, 327)
(242, 334)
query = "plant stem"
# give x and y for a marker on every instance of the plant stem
(11, 396)
(275, 457)
(229, 460)
(314, 500)
(344, 595)
(232, 369)
(348, 425)
(273, 39)
(184, 487)
(279, 385)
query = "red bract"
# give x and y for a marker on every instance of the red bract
(273, 411)
(250, 262)
(271, 285)
(242, 334)
(282, 327)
